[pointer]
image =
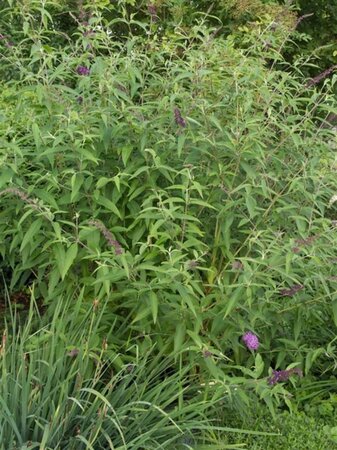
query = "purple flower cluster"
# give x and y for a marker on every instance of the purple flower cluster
(307, 241)
(291, 291)
(251, 341)
(280, 376)
(180, 121)
(152, 10)
(83, 70)
(303, 243)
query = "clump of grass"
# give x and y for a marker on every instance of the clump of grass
(60, 390)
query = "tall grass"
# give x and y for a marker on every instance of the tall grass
(59, 390)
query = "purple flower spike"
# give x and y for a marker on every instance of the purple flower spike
(280, 376)
(82, 70)
(180, 121)
(291, 291)
(108, 236)
(152, 10)
(251, 341)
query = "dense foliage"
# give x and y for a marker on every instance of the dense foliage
(181, 172)
(321, 25)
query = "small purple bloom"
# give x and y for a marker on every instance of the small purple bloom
(207, 354)
(130, 367)
(82, 70)
(79, 99)
(74, 352)
(192, 264)
(237, 265)
(251, 341)
(280, 376)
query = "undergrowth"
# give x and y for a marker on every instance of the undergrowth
(59, 390)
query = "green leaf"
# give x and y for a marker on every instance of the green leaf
(334, 311)
(154, 305)
(64, 259)
(76, 183)
(126, 152)
(235, 297)
(251, 206)
(199, 202)
(181, 142)
(5, 176)
(36, 135)
(259, 366)
(249, 169)
(196, 338)
(109, 205)
(31, 233)
(102, 182)
(213, 369)
(179, 337)
(144, 312)
(87, 155)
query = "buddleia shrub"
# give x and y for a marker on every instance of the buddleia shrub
(187, 182)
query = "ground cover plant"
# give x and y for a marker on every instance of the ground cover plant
(297, 430)
(182, 178)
